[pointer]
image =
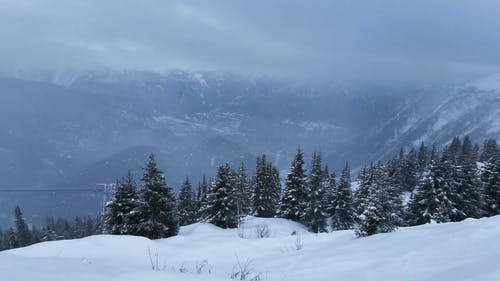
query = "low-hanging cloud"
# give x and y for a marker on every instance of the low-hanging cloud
(420, 41)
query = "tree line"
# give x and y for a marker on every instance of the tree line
(416, 187)
(423, 185)
(21, 235)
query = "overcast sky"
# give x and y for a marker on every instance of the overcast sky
(422, 41)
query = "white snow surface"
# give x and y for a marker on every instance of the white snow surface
(466, 250)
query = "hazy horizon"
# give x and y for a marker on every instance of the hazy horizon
(384, 41)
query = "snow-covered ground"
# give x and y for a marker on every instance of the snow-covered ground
(467, 250)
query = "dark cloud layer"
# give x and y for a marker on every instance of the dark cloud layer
(422, 41)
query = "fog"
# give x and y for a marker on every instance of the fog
(419, 41)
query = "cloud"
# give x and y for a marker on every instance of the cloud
(422, 41)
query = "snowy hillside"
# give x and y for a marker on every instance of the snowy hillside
(455, 251)
(437, 114)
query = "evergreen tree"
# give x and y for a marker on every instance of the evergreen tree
(223, 203)
(205, 190)
(409, 171)
(244, 191)
(122, 212)
(365, 179)
(491, 182)
(343, 211)
(329, 183)
(423, 158)
(466, 191)
(294, 200)
(379, 209)
(266, 189)
(36, 234)
(49, 230)
(11, 239)
(186, 211)
(490, 150)
(430, 201)
(22, 231)
(157, 212)
(315, 209)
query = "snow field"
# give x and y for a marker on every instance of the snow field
(454, 251)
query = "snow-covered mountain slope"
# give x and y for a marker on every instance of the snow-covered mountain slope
(194, 122)
(437, 114)
(446, 252)
(79, 128)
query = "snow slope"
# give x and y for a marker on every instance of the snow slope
(455, 251)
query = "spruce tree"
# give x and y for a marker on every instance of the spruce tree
(266, 189)
(343, 211)
(329, 183)
(379, 209)
(223, 203)
(423, 158)
(11, 239)
(122, 212)
(244, 191)
(409, 171)
(430, 200)
(490, 150)
(466, 189)
(186, 211)
(365, 179)
(22, 231)
(315, 208)
(205, 191)
(49, 230)
(491, 182)
(294, 200)
(157, 217)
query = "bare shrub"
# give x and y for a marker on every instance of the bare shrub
(244, 271)
(153, 260)
(262, 231)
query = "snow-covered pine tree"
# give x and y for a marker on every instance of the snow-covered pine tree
(423, 158)
(430, 200)
(329, 183)
(379, 211)
(315, 208)
(267, 189)
(11, 239)
(466, 191)
(49, 230)
(22, 231)
(409, 171)
(186, 212)
(448, 164)
(244, 191)
(490, 178)
(222, 210)
(205, 199)
(343, 212)
(294, 200)
(394, 192)
(77, 228)
(157, 212)
(490, 150)
(365, 179)
(122, 211)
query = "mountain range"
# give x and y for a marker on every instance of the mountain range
(76, 129)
